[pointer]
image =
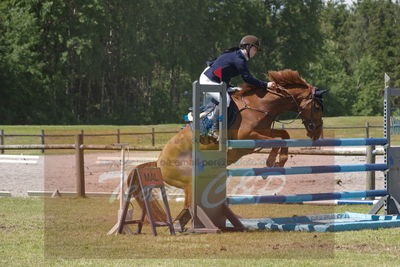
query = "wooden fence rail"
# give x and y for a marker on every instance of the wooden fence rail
(366, 128)
(79, 148)
(153, 134)
(117, 134)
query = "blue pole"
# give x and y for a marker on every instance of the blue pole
(306, 142)
(305, 170)
(298, 198)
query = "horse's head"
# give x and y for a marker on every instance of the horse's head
(305, 99)
(310, 111)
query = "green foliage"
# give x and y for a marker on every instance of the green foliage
(360, 45)
(372, 40)
(133, 62)
(22, 68)
(329, 72)
(369, 88)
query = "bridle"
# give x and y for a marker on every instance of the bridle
(310, 124)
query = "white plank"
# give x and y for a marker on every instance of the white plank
(12, 161)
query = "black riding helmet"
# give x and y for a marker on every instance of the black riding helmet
(249, 41)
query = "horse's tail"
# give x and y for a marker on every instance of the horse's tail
(157, 211)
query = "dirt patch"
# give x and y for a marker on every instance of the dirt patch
(58, 172)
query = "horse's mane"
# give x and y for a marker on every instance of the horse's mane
(285, 78)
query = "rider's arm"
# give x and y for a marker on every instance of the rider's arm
(241, 65)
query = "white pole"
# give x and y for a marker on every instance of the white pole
(126, 229)
(122, 193)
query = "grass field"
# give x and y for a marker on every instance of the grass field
(70, 232)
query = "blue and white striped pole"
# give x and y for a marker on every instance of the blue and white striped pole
(306, 142)
(306, 170)
(299, 198)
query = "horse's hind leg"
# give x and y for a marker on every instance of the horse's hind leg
(185, 215)
(188, 196)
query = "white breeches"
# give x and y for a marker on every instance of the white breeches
(205, 80)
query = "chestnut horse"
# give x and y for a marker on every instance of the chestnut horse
(258, 109)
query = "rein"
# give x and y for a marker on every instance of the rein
(309, 124)
(299, 111)
(274, 92)
(246, 106)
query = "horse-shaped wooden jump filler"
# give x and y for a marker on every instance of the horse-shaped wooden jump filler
(257, 110)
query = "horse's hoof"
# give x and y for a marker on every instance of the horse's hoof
(280, 164)
(271, 164)
(179, 229)
(264, 177)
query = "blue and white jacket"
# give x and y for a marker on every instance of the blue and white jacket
(229, 65)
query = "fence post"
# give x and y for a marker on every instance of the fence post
(366, 129)
(79, 166)
(2, 140)
(153, 138)
(370, 154)
(118, 136)
(42, 139)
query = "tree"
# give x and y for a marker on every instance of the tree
(372, 41)
(133, 62)
(298, 37)
(369, 97)
(329, 72)
(23, 100)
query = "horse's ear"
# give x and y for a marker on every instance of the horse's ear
(320, 92)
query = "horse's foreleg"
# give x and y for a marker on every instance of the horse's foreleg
(266, 136)
(272, 157)
(282, 151)
(236, 153)
(283, 157)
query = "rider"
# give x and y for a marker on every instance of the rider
(229, 64)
